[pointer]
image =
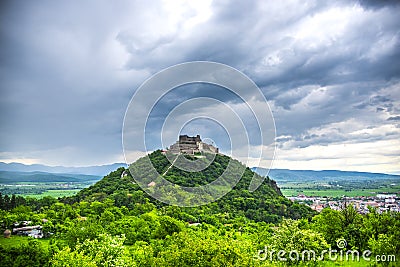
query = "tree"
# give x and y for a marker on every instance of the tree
(7, 202)
(31, 253)
(168, 226)
(1, 202)
(46, 201)
(383, 245)
(104, 250)
(291, 236)
(330, 223)
(198, 248)
(107, 216)
(68, 258)
(81, 230)
(13, 202)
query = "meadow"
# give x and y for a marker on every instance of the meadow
(337, 193)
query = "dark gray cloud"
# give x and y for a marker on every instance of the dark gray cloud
(394, 118)
(376, 4)
(328, 68)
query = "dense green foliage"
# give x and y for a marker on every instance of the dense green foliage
(114, 223)
(112, 236)
(31, 253)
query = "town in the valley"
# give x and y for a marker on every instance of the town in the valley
(381, 202)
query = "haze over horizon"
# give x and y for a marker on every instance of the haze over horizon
(329, 70)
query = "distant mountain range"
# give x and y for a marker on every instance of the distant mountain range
(9, 177)
(12, 172)
(101, 170)
(285, 175)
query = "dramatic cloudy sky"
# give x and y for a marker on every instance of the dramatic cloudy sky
(329, 69)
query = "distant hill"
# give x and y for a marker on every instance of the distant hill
(89, 170)
(264, 204)
(8, 177)
(326, 175)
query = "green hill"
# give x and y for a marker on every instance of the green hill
(264, 204)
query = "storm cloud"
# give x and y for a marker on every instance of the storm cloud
(329, 70)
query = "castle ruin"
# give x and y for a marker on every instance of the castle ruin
(191, 145)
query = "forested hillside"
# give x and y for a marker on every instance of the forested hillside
(265, 204)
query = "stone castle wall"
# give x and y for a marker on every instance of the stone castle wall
(191, 145)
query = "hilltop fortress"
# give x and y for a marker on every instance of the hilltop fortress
(191, 145)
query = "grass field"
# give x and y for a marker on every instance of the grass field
(55, 193)
(17, 240)
(337, 193)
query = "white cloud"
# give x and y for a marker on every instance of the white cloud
(379, 156)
